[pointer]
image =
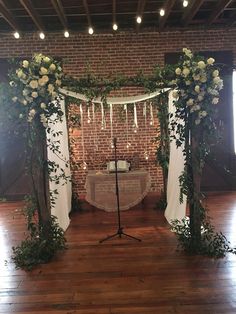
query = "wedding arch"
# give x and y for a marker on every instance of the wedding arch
(37, 93)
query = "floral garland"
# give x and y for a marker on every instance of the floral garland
(35, 88)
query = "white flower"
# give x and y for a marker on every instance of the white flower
(197, 107)
(24, 102)
(34, 94)
(178, 71)
(50, 88)
(12, 83)
(188, 82)
(43, 119)
(58, 82)
(38, 58)
(52, 67)
(200, 97)
(25, 92)
(46, 59)
(41, 82)
(20, 115)
(202, 114)
(43, 105)
(197, 121)
(32, 112)
(201, 65)
(220, 84)
(216, 80)
(43, 71)
(203, 79)
(19, 73)
(187, 52)
(14, 99)
(197, 89)
(33, 84)
(210, 61)
(190, 102)
(215, 101)
(196, 77)
(186, 72)
(25, 64)
(215, 73)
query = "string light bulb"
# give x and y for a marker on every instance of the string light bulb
(41, 35)
(16, 35)
(139, 19)
(162, 12)
(115, 27)
(185, 3)
(84, 165)
(146, 156)
(66, 34)
(90, 30)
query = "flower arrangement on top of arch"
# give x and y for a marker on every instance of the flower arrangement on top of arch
(34, 86)
(198, 82)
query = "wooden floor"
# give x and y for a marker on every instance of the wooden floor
(120, 276)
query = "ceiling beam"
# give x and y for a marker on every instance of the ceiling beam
(6, 14)
(27, 4)
(218, 10)
(167, 6)
(191, 11)
(87, 12)
(60, 12)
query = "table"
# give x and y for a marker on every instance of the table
(101, 192)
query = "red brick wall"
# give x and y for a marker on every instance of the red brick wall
(122, 53)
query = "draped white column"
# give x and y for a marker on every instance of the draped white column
(174, 209)
(63, 200)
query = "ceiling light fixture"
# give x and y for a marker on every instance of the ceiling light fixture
(66, 34)
(162, 12)
(41, 35)
(90, 31)
(185, 3)
(139, 19)
(16, 35)
(115, 27)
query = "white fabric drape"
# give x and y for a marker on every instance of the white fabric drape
(174, 209)
(63, 200)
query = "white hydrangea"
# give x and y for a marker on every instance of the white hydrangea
(197, 89)
(215, 101)
(201, 65)
(178, 71)
(43, 71)
(33, 84)
(25, 64)
(210, 61)
(215, 73)
(52, 67)
(186, 72)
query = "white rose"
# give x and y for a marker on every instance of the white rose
(14, 99)
(46, 59)
(52, 67)
(215, 73)
(188, 52)
(34, 94)
(215, 101)
(25, 64)
(33, 84)
(210, 61)
(32, 112)
(196, 77)
(197, 107)
(188, 82)
(20, 115)
(203, 79)
(58, 82)
(19, 73)
(203, 113)
(197, 89)
(24, 102)
(197, 121)
(186, 72)
(216, 80)
(41, 82)
(178, 71)
(25, 92)
(190, 102)
(43, 71)
(50, 88)
(201, 65)
(43, 105)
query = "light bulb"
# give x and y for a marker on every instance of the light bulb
(185, 3)
(128, 145)
(146, 155)
(115, 27)
(135, 128)
(66, 34)
(90, 30)
(16, 35)
(151, 122)
(139, 19)
(162, 12)
(84, 165)
(41, 35)
(89, 120)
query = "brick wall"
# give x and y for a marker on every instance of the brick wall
(113, 54)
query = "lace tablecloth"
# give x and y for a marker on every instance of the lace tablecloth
(101, 189)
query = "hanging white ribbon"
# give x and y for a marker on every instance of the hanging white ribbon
(127, 126)
(89, 118)
(84, 165)
(95, 128)
(103, 117)
(151, 114)
(135, 126)
(111, 121)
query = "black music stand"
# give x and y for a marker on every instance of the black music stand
(119, 232)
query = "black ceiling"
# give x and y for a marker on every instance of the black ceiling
(76, 15)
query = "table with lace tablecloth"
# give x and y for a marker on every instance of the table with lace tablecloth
(101, 189)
